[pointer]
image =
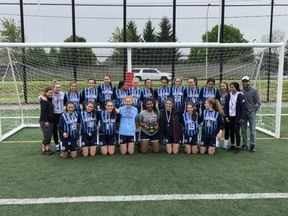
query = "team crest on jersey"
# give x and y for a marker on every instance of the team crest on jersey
(69, 143)
(63, 148)
(82, 143)
(101, 143)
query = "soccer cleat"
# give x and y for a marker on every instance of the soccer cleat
(49, 152)
(217, 144)
(231, 148)
(225, 146)
(236, 150)
(252, 149)
(244, 147)
(57, 147)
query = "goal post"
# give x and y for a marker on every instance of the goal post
(44, 62)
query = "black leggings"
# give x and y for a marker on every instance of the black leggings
(55, 129)
(226, 130)
(234, 130)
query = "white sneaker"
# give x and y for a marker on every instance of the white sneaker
(225, 146)
(217, 143)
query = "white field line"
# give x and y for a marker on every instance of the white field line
(138, 198)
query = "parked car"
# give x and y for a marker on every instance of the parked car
(150, 73)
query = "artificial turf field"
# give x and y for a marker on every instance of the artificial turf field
(27, 174)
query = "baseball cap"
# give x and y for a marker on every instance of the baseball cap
(245, 78)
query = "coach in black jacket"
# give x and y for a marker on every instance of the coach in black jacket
(234, 109)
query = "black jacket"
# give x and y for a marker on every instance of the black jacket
(176, 126)
(240, 107)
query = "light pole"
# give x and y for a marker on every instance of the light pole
(207, 12)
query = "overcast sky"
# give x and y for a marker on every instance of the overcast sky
(96, 23)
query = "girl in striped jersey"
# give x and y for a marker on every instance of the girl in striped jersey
(210, 91)
(88, 121)
(193, 93)
(212, 125)
(178, 94)
(147, 92)
(107, 137)
(89, 94)
(224, 91)
(120, 93)
(73, 95)
(163, 93)
(136, 92)
(190, 123)
(106, 91)
(68, 125)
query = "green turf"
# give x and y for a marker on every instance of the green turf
(27, 174)
(265, 207)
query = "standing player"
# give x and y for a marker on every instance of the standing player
(209, 91)
(224, 91)
(73, 95)
(89, 94)
(58, 102)
(149, 120)
(136, 94)
(120, 94)
(127, 129)
(46, 119)
(212, 125)
(193, 93)
(163, 93)
(147, 92)
(253, 103)
(68, 126)
(107, 129)
(170, 128)
(106, 91)
(178, 95)
(88, 121)
(190, 123)
(235, 114)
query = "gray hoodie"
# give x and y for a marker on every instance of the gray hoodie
(252, 99)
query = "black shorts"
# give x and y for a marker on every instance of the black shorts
(170, 140)
(69, 144)
(105, 140)
(89, 140)
(208, 141)
(153, 138)
(126, 139)
(191, 140)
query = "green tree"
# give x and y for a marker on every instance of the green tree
(149, 35)
(231, 35)
(131, 36)
(165, 35)
(37, 57)
(81, 56)
(10, 31)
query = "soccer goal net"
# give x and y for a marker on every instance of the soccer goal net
(26, 69)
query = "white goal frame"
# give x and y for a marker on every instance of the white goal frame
(131, 46)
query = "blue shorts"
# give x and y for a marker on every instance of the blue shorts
(191, 140)
(153, 138)
(105, 140)
(208, 141)
(126, 139)
(69, 144)
(89, 140)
